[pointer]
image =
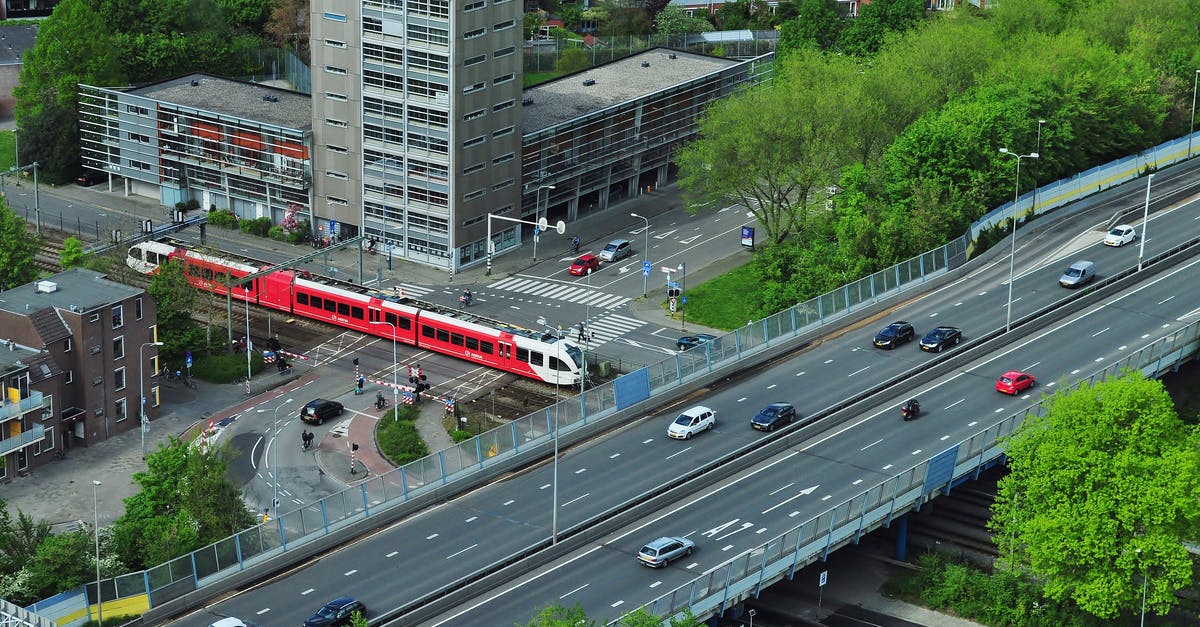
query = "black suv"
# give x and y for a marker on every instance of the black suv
(895, 334)
(317, 411)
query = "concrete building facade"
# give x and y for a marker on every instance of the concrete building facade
(84, 346)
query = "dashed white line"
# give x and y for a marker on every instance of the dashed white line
(581, 471)
(656, 584)
(945, 437)
(1101, 331)
(544, 487)
(871, 444)
(614, 456)
(472, 519)
(647, 441)
(829, 361)
(306, 592)
(858, 371)
(262, 611)
(856, 482)
(574, 591)
(509, 502)
(774, 492)
(616, 604)
(394, 553)
(800, 374)
(955, 403)
(454, 555)
(916, 452)
(349, 572)
(576, 499)
(1166, 299)
(679, 453)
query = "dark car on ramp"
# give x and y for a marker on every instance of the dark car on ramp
(895, 334)
(940, 338)
(692, 341)
(774, 415)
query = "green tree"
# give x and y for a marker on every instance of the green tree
(864, 35)
(572, 60)
(74, 45)
(175, 300)
(185, 502)
(51, 138)
(17, 248)
(1102, 493)
(72, 255)
(817, 24)
(288, 26)
(672, 20)
(19, 540)
(559, 616)
(643, 618)
(62, 562)
(533, 22)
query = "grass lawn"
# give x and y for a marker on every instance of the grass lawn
(726, 302)
(7, 154)
(529, 79)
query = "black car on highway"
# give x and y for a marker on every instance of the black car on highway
(773, 415)
(895, 334)
(940, 338)
(336, 613)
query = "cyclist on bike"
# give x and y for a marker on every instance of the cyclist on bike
(575, 243)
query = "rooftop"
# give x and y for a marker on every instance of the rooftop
(290, 109)
(82, 290)
(14, 358)
(620, 81)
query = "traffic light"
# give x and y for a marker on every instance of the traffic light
(355, 361)
(354, 446)
(672, 292)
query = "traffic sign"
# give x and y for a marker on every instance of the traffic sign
(646, 268)
(667, 270)
(188, 359)
(824, 577)
(673, 302)
(673, 284)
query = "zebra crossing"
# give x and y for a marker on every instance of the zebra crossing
(568, 292)
(608, 327)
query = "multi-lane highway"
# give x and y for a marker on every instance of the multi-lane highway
(448, 543)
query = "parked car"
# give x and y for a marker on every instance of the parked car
(583, 265)
(90, 178)
(773, 415)
(336, 613)
(1120, 235)
(940, 338)
(1077, 274)
(658, 553)
(318, 410)
(895, 334)
(616, 249)
(698, 419)
(1014, 382)
(692, 341)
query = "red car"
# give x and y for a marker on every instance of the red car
(584, 265)
(1014, 382)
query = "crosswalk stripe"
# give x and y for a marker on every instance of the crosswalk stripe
(414, 290)
(565, 292)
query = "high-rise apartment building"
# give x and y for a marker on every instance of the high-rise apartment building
(416, 120)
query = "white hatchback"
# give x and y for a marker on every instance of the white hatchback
(1120, 235)
(692, 421)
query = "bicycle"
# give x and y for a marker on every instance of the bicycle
(189, 382)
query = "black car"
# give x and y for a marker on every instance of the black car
(773, 415)
(90, 178)
(692, 341)
(940, 338)
(318, 410)
(336, 612)
(895, 334)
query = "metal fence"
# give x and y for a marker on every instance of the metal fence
(541, 55)
(753, 570)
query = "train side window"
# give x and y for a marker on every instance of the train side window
(556, 363)
(485, 348)
(344, 310)
(405, 324)
(331, 306)
(522, 354)
(427, 331)
(316, 302)
(301, 298)
(456, 339)
(443, 335)
(472, 344)
(374, 313)
(536, 358)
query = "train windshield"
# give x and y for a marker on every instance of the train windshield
(575, 354)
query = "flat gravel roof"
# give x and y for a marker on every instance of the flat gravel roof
(291, 109)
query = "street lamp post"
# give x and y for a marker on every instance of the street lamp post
(537, 207)
(96, 525)
(682, 295)
(142, 392)
(645, 256)
(1192, 125)
(560, 227)
(554, 505)
(1145, 223)
(17, 146)
(1013, 252)
(275, 454)
(395, 366)
(1038, 151)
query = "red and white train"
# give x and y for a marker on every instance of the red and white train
(428, 326)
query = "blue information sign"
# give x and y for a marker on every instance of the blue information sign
(645, 268)
(188, 359)
(748, 236)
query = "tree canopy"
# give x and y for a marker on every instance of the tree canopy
(17, 249)
(1103, 492)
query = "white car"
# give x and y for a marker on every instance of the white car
(692, 421)
(1120, 235)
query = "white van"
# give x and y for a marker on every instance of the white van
(1077, 274)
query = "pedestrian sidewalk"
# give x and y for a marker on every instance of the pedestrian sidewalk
(334, 451)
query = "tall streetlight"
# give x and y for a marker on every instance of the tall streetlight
(275, 462)
(96, 509)
(537, 208)
(682, 295)
(1145, 223)
(395, 366)
(1038, 151)
(1013, 253)
(1145, 575)
(142, 392)
(17, 146)
(554, 506)
(645, 255)
(1192, 125)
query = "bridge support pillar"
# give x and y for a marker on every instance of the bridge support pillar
(901, 528)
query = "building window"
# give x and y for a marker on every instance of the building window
(502, 159)
(473, 168)
(120, 405)
(474, 115)
(119, 347)
(504, 25)
(476, 60)
(333, 174)
(503, 52)
(503, 79)
(70, 377)
(336, 17)
(154, 333)
(138, 137)
(136, 110)
(333, 200)
(119, 379)
(333, 43)
(67, 345)
(473, 195)
(502, 132)
(472, 34)
(49, 412)
(336, 123)
(475, 6)
(372, 24)
(154, 397)
(338, 97)
(154, 365)
(137, 308)
(502, 184)
(474, 141)
(502, 106)
(341, 150)
(474, 88)
(333, 69)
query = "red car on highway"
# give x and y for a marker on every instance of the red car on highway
(584, 265)
(1014, 382)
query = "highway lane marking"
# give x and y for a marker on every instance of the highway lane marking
(581, 471)
(616, 604)
(826, 497)
(961, 400)
(471, 519)
(545, 486)
(800, 374)
(829, 361)
(679, 453)
(306, 592)
(856, 482)
(999, 409)
(395, 553)
(647, 441)
(858, 371)
(656, 584)
(253, 457)
(586, 553)
(1166, 299)
(793, 514)
(742, 399)
(972, 423)
(1075, 371)
(871, 444)
(727, 547)
(1101, 331)
(509, 502)
(958, 303)
(582, 496)
(348, 573)
(1033, 365)
(761, 530)
(454, 555)
(614, 456)
(574, 591)
(262, 611)
(933, 315)
(1145, 335)
(1098, 359)
(781, 489)
(945, 437)
(804, 492)
(887, 466)
(771, 387)
(1122, 347)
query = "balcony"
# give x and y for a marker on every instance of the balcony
(22, 440)
(10, 409)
